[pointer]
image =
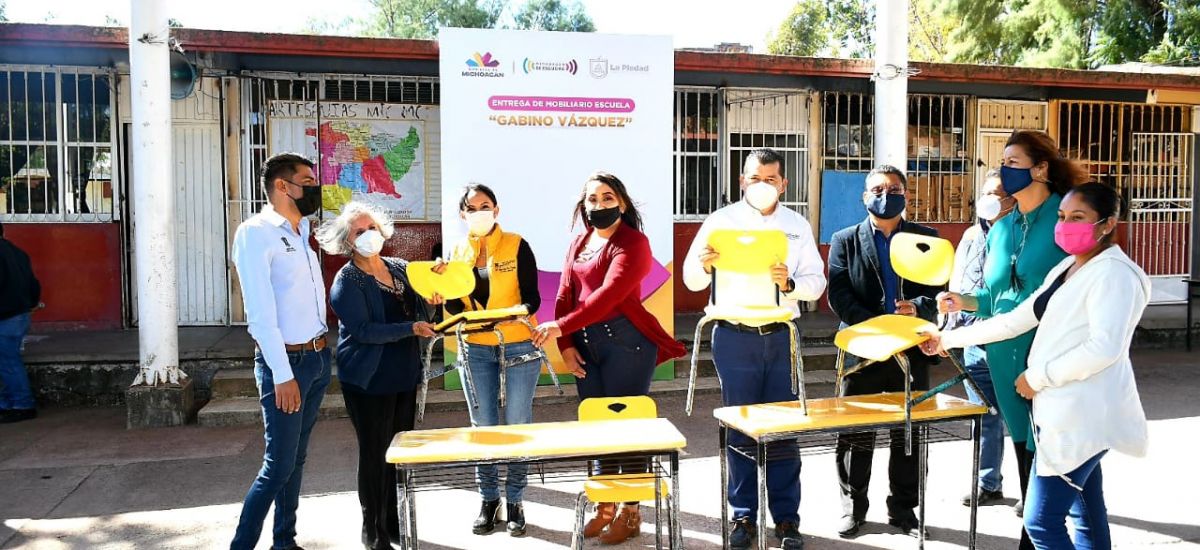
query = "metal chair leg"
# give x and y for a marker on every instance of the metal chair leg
(463, 364)
(905, 367)
(798, 367)
(545, 360)
(840, 369)
(975, 387)
(695, 362)
(577, 537)
(503, 366)
(423, 395)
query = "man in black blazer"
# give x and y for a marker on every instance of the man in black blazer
(862, 285)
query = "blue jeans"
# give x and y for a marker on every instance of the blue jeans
(519, 385)
(15, 393)
(991, 437)
(1050, 499)
(286, 438)
(758, 369)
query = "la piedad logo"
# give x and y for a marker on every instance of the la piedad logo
(483, 65)
(569, 66)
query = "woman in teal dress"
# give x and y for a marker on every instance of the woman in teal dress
(1020, 252)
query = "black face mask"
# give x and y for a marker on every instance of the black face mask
(604, 218)
(886, 206)
(310, 202)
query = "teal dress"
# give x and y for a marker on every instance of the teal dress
(1030, 239)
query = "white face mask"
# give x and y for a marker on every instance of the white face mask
(989, 207)
(480, 222)
(369, 244)
(761, 195)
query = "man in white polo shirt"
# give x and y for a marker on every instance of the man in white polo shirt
(284, 295)
(754, 362)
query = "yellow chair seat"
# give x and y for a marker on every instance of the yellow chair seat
(922, 259)
(482, 317)
(752, 251)
(454, 283)
(623, 488)
(879, 338)
(754, 314)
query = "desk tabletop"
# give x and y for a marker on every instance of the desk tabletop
(535, 441)
(757, 421)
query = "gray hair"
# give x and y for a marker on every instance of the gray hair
(334, 235)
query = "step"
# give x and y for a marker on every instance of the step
(244, 411)
(231, 383)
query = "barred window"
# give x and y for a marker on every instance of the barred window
(697, 152)
(56, 145)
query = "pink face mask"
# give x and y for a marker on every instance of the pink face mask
(1076, 238)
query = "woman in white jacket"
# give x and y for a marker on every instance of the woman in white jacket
(1085, 400)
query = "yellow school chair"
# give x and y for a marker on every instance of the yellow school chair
(456, 282)
(923, 260)
(624, 487)
(741, 292)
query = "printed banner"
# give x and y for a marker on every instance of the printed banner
(533, 114)
(371, 152)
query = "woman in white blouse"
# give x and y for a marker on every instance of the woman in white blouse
(1085, 400)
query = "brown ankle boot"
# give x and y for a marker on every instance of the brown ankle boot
(626, 526)
(605, 511)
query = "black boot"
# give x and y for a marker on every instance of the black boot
(516, 519)
(489, 514)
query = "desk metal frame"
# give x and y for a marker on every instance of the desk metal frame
(407, 478)
(910, 401)
(759, 456)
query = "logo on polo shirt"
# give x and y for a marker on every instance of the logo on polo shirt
(288, 244)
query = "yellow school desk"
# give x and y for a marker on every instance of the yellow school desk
(447, 456)
(785, 421)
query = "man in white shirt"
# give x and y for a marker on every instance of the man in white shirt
(284, 295)
(754, 362)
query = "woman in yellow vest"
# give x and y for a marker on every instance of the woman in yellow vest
(505, 275)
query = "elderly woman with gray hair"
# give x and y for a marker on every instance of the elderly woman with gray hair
(378, 355)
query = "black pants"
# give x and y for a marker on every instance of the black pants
(855, 450)
(1024, 468)
(377, 419)
(619, 362)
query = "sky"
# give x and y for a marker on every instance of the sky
(692, 23)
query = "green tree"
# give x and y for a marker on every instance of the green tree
(553, 15)
(1072, 33)
(423, 18)
(837, 28)
(3, 17)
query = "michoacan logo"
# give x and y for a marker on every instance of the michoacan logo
(486, 60)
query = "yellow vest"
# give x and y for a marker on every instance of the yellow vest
(504, 290)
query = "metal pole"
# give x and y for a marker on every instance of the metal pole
(891, 83)
(153, 195)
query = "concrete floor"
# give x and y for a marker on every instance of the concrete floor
(75, 478)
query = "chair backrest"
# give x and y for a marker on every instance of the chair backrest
(742, 272)
(454, 283)
(617, 408)
(922, 259)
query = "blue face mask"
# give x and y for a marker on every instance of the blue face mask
(1015, 180)
(886, 206)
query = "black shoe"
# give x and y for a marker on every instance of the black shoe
(17, 415)
(985, 498)
(743, 535)
(789, 536)
(489, 514)
(907, 523)
(516, 519)
(1019, 508)
(850, 526)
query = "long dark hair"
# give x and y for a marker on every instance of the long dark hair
(1064, 173)
(1103, 199)
(631, 217)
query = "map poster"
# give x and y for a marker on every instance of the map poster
(369, 152)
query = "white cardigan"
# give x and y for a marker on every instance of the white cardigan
(1087, 400)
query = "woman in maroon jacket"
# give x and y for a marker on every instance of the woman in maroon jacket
(607, 338)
